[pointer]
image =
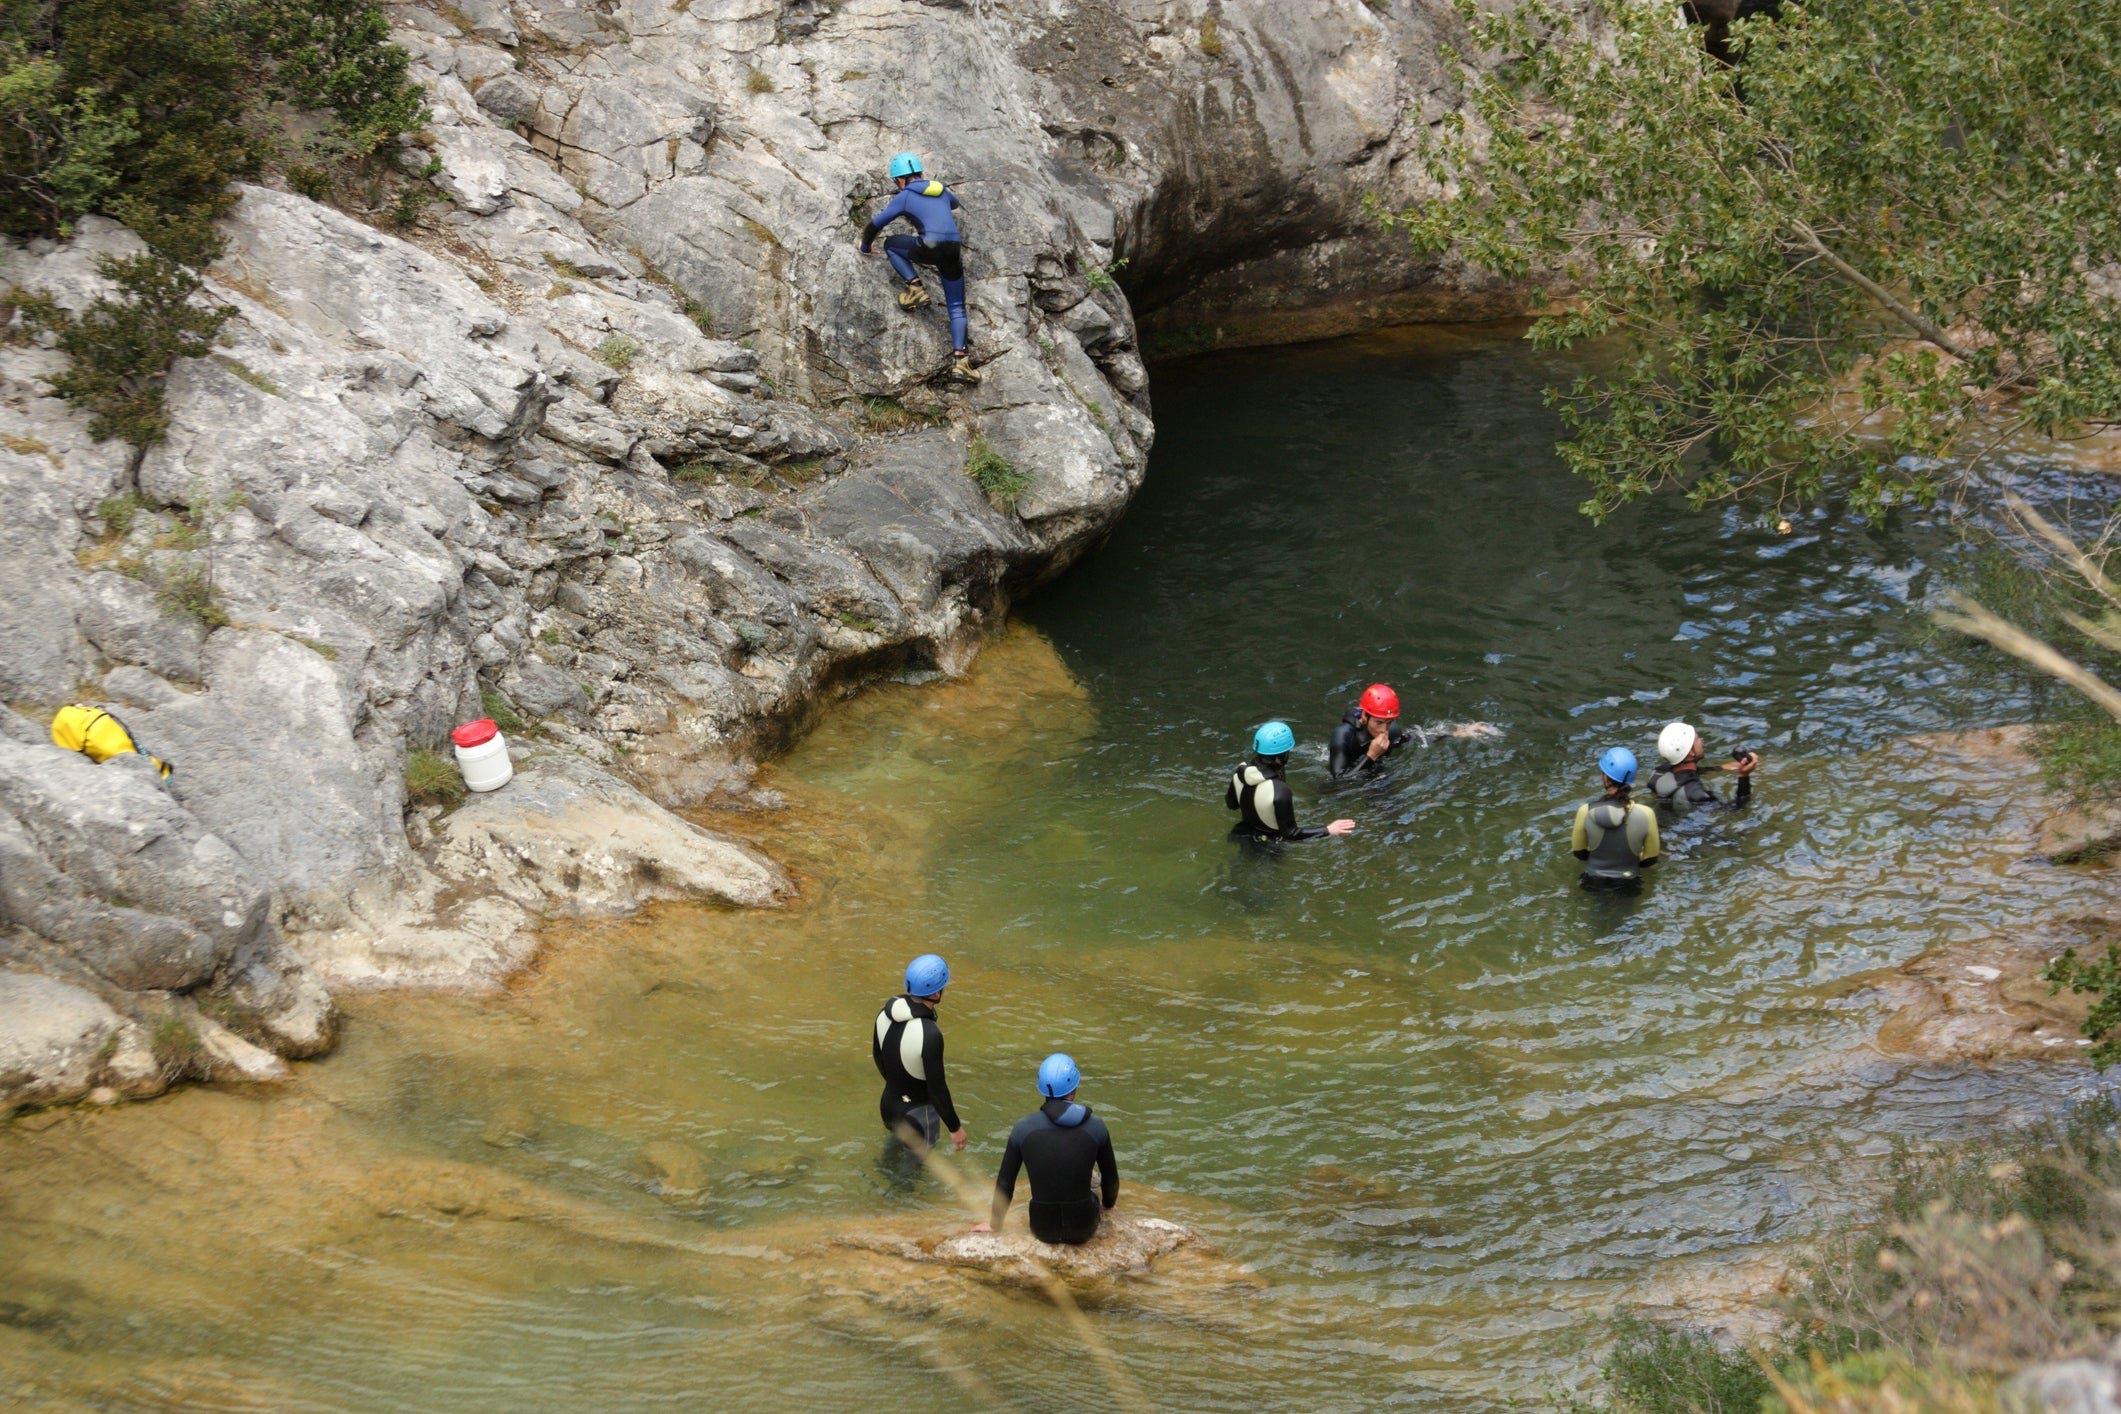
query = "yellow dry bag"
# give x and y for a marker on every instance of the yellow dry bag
(98, 735)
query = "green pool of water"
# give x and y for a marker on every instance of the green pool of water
(1444, 1105)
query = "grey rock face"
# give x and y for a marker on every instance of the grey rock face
(564, 836)
(55, 1040)
(2066, 1387)
(127, 623)
(628, 431)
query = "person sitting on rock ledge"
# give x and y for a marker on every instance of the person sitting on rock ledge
(908, 1051)
(931, 208)
(1058, 1145)
(1259, 792)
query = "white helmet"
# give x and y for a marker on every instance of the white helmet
(1675, 742)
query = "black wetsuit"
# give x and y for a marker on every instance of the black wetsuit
(1680, 790)
(1349, 750)
(908, 1050)
(1057, 1147)
(1260, 796)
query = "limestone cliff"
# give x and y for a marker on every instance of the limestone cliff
(627, 437)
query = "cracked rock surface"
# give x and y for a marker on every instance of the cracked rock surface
(624, 438)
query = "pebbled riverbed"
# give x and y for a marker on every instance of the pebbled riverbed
(1441, 1103)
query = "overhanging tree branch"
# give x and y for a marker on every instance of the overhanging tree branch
(1907, 314)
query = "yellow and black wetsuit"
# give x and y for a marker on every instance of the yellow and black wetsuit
(1616, 839)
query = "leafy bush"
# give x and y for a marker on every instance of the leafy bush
(1669, 1369)
(996, 474)
(890, 415)
(1102, 277)
(190, 590)
(501, 711)
(123, 346)
(619, 352)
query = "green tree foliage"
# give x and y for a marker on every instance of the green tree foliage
(1921, 207)
(122, 347)
(147, 113)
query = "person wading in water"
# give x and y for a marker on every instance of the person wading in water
(1370, 732)
(908, 1050)
(1615, 837)
(1259, 792)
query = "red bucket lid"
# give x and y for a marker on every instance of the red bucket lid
(475, 733)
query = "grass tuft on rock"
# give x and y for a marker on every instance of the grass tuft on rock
(996, 474)
(887, 414)
(759, 81)
(619, 351)
(501, 711)
(190, 590)
(432, 778)
(118, 513)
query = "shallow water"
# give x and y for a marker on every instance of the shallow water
(1443, 1103)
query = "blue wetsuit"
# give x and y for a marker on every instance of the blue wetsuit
(931, 207)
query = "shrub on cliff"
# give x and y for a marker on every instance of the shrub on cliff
(1911, 213)
(122, 346)
(147, 113)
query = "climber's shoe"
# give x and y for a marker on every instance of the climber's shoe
(913, 297)
(962, 370)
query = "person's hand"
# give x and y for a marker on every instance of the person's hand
(981, 1227)
(1746, 764)
(1475, 729)
(958, 1139)
(1340, 827)
(1380, 745)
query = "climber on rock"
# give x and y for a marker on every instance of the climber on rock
(931, 209)
(1058, 1145)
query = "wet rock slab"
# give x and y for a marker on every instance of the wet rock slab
(1135, 1257)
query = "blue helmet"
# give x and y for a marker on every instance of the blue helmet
(1619, 766)
(906, 164)
(926, 975)
(1058, 1076)
(1274, 739)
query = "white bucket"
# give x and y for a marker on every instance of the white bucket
(482, 755)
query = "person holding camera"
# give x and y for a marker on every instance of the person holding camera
(1677, 785)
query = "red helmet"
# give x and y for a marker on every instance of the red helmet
(1380, 701)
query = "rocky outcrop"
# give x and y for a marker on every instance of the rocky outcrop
(626, 438)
